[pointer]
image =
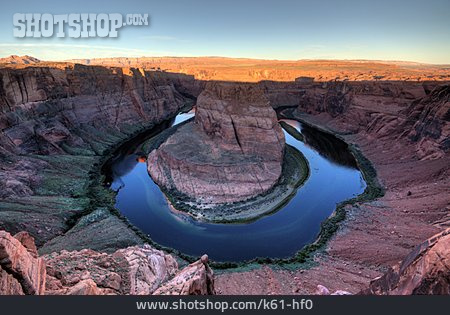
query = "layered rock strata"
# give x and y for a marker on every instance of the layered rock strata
(231, 152)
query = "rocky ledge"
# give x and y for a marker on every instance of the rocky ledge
(426, 270)
(233, 151)
(136, 270)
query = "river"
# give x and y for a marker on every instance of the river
(334, 177)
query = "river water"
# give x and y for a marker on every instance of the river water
(334, 177)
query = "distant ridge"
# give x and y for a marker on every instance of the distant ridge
(14, 59)
(255, 70)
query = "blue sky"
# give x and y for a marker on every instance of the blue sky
(353, 29)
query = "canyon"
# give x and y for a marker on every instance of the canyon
(60, 121)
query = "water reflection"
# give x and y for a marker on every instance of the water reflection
(333, 178)
(325, 144)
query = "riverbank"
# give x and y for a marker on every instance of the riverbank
(375, 234)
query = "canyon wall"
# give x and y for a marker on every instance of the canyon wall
(57, 125)
(415, 112)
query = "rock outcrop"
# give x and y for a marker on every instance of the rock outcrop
(136, 270)
(321, 290)
(14, 59)
(21, 271)
(195, 279)
(426, 270)
(428, 122)
(231, 152)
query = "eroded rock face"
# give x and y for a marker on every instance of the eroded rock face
(429, 119)
(426, 270)
(136, 270)
(21, 271)
(14, 59)
(195, 279)
(417, 112)
(233, 151)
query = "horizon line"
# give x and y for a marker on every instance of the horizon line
(243, 58)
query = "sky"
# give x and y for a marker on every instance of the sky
(410, 30)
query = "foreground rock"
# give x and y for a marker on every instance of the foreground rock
(426, 270)
(233, 151)
(195, 279)
(137, 270)
(21, 271)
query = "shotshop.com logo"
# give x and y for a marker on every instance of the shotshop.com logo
(74, 25)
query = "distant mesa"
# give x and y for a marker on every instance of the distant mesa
(25, 60)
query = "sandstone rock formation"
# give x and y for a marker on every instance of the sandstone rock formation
(426, 270)
(133, 270)
(428, 120)
(233, 151)
(321, 290)
(195, 279)
(14, 59)
(416, 112)
(21, 271)
(137, 270)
